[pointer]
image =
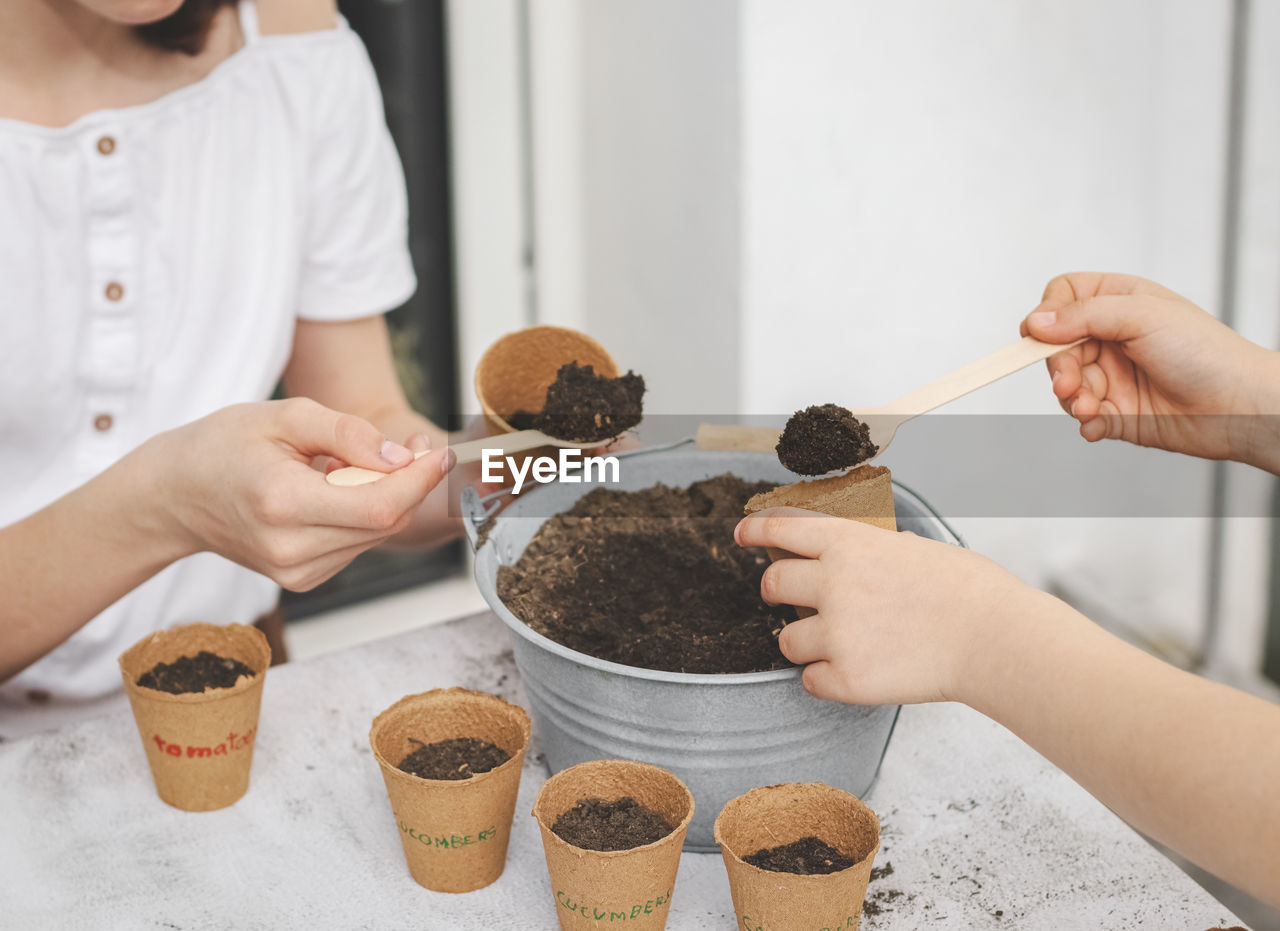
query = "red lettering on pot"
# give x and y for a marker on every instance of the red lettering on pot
(234, 741)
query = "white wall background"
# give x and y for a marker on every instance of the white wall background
(914, 173)
(762, 205)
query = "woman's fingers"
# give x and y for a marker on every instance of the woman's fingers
(380, 505)
(315, 430)
(418, 443)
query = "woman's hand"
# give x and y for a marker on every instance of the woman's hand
(239, 483)
(899, 617)
(1159, 371)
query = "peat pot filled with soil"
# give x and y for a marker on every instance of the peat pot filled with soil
(196, 691)
(611, 833)
(721, 733)
(451, 761)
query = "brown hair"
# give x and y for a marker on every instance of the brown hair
(186, 28)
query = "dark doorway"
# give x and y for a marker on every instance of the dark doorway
(407, 45)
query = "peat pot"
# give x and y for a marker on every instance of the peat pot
(722, 734)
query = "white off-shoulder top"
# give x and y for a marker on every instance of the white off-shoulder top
(153, 262)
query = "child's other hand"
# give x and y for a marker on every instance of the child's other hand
(899, 617)
(1159, 371)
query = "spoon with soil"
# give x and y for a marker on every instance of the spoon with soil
(582, 410)
(829, 437)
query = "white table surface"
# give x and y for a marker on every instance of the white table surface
(980, 830)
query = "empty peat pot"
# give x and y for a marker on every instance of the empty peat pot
(721, 734)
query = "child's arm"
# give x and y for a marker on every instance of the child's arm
(1159, 371)
(237, 483)
(1194, 764)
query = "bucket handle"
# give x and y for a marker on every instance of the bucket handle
(476, 510)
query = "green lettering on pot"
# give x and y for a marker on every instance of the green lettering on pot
(446, 841)
(599, 914)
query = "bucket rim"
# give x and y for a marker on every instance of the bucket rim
(488, 553)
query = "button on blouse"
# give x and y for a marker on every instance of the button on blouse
(154, 261)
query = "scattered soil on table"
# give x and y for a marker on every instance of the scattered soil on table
(651, 578)
(594, 824)
(585, 407)
(807, 856)
(196, 673)
(880, 901)
(823, 438)
(456, 758)
(880, 872)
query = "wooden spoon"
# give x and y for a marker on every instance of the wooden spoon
(470, 451)
(884, 422)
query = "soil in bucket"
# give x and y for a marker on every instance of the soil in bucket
(824, 438)
(651, 578)
(455, 758)
(204, 670)
(584, 407)
(621, 824)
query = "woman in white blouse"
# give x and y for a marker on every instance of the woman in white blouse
(189, 212)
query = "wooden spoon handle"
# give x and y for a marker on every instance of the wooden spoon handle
(733, 437)
(470, 451)
(1002, 362)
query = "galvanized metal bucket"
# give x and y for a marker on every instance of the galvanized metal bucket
(721, 734)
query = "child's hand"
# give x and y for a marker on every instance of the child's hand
(1159, 371)
(899, 617)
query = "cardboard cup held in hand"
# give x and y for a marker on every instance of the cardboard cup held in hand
(864, 493)
(454, 831)
(199, 744)
(515, 372)
(603, 888)
(772, 816)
